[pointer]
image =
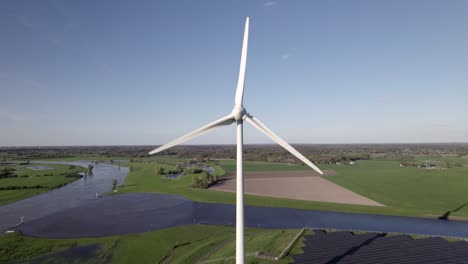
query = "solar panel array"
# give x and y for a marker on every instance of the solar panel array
(372, 248)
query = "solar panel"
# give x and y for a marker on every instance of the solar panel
(371, 248)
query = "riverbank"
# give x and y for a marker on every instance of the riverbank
(142, 212)
(73, 194)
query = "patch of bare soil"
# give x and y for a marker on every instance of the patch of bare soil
(300, 185)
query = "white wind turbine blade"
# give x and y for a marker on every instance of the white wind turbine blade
(225, 121)
(243, 61)
(260, 126)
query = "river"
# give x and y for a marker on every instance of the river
(74, 211)
(79, 192)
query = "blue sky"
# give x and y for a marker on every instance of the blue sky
(145, 72)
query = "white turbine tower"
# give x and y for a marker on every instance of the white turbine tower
(238, 115)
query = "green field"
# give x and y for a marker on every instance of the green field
(185, 244)
(258, 240)
(31, 182)
(408, 191)
(427, 191)
(230, 166)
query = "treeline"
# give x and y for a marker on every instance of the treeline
(38, 186)
(45, 152)
(190, 167)
(323, 153)
(7, 172)
(268, 153)
(411, 161)
(320, 153)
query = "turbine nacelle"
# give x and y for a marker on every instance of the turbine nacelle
(239, 112)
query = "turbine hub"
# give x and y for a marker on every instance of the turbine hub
(238, 112)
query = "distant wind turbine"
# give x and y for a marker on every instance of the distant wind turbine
(238, 115)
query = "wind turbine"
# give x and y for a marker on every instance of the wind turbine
(238, 115)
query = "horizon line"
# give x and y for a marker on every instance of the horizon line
(251, 144)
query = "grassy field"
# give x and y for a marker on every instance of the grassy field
(417, 189)
(230, 166)
(76, 158)
(268, 242)
(408, 191)
(47, 179)
(186, 244)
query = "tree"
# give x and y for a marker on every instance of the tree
(114, 184)
(7, 173)
(89, 171)
(179, 168)
(160, 170)
(199, 159)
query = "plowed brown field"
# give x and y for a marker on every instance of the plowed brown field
(300, 185)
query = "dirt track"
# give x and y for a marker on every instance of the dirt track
(300, 185)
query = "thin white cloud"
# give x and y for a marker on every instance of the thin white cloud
(34, 26)
(438, 125)
(11, 115)
(20, 80)
(26, 22)
(107, 69)
(54, 40)
(269, 4)
(285, 56)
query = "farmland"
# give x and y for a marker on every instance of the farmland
(429, 191)
(25, 182)
(407, 191)
(298, 185)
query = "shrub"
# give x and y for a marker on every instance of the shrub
(198, 182)
(73, 175)
(22, 187)
(7, 172)
(89, 171)
(204, 180)
(193, 171)
(160, 170)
